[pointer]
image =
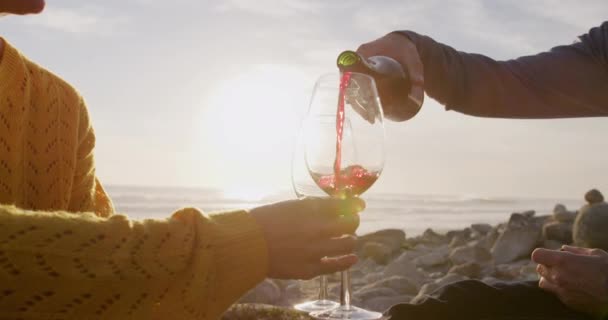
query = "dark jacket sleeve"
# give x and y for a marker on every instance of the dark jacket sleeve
(567, 81)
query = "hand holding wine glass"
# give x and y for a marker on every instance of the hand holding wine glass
(300, 234)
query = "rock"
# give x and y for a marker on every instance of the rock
(465, 254)
(560, 231)
(594, 196)
(333, 290)
(367, 293)
(489, 239)
(465, 233)
(473, 243)
(262, 312)
(293, 293)
(505, 272)
(401, 285)
(373, 277)
(432, 286)
(430, 236)
(528, 272)
(552, 244)
(591, 225)
(448, 279)
(566, 216)
(561, 214)
(559, 208)
(421, 249)
(481, 228)
(391, 238)
(427, 289)
(529, 213)
(541, 220)
(490, 280)
(366, 265)
(379, 252)
(403, 266)
(458, 241)
(382, 304)
(436, 257)
(283, 283)
(518, 240)
(357, 279)
(419, 298)
(510, 271)
(469, 269)
(267, 292)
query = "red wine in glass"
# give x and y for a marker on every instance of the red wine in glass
(351, 181)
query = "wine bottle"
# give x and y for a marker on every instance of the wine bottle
(392, 81)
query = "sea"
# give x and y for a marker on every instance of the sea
(411, 213)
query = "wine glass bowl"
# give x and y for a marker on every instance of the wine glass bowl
(352, 178)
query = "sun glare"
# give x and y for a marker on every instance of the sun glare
(249, 127)
(246, 194)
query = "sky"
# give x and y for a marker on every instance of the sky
(204, 93)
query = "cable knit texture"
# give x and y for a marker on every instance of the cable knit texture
(65, 255)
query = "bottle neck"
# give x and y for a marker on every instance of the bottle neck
(350, 61)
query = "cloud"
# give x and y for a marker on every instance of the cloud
(83, 20)
(581, 15)
(453, 22)
(286, 8)
(502, 28)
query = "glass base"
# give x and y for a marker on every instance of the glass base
(316, 305)
(344, 313)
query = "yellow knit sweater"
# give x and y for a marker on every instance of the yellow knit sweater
(65, 255)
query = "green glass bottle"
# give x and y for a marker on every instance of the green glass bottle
(392, 81)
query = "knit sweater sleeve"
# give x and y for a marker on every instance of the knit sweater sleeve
(81, 266)
(87, 193)
(46, 141)
(567, 81)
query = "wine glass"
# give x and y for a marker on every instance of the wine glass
(304, 186)
(344, 153)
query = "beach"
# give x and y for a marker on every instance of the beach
(408, 245)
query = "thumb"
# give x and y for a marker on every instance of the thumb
(576, 250)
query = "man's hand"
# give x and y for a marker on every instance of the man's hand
(309, 237)
(401, 49)
(577, 276)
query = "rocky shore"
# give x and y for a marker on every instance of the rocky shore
(394, 268)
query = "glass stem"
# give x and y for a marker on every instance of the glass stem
(345, 290)
(323, 287)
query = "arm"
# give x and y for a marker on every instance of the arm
(567, 81)
(1, 48)
(87, 193)
(188, 266)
